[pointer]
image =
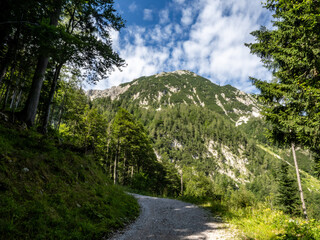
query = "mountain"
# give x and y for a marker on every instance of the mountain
(213, 134)
(209, 114)
(184, 87)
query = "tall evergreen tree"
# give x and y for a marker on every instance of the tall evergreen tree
(291, 51)
(287, 191)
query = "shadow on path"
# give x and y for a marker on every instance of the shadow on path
(168, 219)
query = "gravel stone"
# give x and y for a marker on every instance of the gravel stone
(168, 219)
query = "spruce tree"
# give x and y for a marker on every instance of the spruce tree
(291, 51)
(287, 191)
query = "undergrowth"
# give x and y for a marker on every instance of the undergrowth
(48, 191)
(263, 223)
(252, 220)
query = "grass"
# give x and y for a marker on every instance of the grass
(263, 223)
(48, 191)
(257, 221)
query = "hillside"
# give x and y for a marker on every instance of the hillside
(212, 134)
(50, 190)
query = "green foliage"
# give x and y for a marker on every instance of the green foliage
(242, 198)
(266, 224)
(48, 191)
(295, 229)
(316, 167)
(290, 49)
(37, 40)
(256, 129)
(181, 135)
(197, 184)
(262, 222)
(288, 191)
(132, 149)
(171, 89)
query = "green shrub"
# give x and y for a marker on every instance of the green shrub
(299, 229)
(242, 198)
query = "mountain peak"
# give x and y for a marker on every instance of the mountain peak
(179, 72)
(169, 89)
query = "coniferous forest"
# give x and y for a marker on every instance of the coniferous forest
(69, 155)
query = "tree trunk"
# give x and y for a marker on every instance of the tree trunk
(299, 181)
(10, 55)
(115, 171)
(61, 111)
(124, 170)
(6, 97)
(181, 182)
(2, 91)
(18, 100)
(116, 160)
(14, 94)
(2, 73)
(47, 107)
(52, 110)
(28, 114)
(131, 172)
(110, 172)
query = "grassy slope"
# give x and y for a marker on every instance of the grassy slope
(50, 192)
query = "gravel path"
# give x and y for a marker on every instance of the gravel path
(168, 219)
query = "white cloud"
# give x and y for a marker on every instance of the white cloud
(217, 42)
(213, 47)
(133, 7)
(147, 14)
(179, 1)
(187, 17)
(164, 16)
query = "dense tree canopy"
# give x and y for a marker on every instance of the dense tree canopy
(292, 51)
(39, 37)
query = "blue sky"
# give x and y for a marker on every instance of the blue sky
(204, 36)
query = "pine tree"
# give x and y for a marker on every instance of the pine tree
(291, 51)
(287, 191)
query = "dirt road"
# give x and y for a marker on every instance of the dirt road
(168, 219)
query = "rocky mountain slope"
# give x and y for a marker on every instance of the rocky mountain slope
(207, 131)
(184, 87)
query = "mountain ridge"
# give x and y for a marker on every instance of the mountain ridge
(211, 135)
(183, 86)
(218, 109)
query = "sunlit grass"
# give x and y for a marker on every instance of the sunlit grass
(263, 223)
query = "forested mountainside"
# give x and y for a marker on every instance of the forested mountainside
(173, 134)
(212, 135)
(170, 89)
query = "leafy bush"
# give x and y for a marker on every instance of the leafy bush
(298, 229)
(242, 198)
(197, 184)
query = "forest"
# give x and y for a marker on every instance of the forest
(66, 159)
